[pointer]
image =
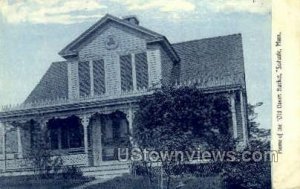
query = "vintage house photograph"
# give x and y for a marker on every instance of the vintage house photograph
(113, 89)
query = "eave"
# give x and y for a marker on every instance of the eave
(94, 105)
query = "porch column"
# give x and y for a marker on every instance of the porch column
(4, 144)
(130, 117)
(85, 123)
(244, 121)
(96, 137)
(100, 139)
(233, 114)
(20, 148)
(43, 124)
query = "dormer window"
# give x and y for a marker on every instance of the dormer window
(134, 71)
(126, 65)
(141, 67)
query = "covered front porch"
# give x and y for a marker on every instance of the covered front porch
(85, 139)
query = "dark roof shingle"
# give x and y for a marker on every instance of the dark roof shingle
(213, 61)
(53, 85)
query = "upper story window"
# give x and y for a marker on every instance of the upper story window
(91, 76)
(84, 78)
(134, 71)
(126, 72)
(141, 67)
(112, 74)
(99, 77)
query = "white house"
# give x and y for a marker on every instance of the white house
(86, 103)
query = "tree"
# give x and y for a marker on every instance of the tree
(179, 119)
(40, 156)
(251, 174)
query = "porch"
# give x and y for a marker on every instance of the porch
(84, 140)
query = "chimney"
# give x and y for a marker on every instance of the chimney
(131, 19)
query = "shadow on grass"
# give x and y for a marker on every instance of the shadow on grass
(26, 182)
(139, 182)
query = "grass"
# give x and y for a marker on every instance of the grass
(125, 182)
(131, 182)
(25, 182)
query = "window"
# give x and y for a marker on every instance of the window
(54, 138)
(84, 78)
(115, 128)
(126, 72)
(66, 133)
(141, 67)
(11, 141)
(71, 137)
(99, 77)
(134, 71)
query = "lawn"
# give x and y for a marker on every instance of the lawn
(125, 182)
(131, 182)
(26, 182)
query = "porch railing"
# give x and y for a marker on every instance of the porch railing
(22, 164)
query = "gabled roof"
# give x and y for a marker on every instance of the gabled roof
(216, 61)
(70, 49)
(53, 85)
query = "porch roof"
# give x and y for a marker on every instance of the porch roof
(90, 105)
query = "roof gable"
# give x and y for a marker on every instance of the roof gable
(125, 39)
(71, 48)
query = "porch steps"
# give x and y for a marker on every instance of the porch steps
(107, 170)
(91, 183)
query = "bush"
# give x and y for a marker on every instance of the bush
(125, 182)
(203, 183)
(71, 172)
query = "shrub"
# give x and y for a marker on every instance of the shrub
(71, 172)
(203, 183)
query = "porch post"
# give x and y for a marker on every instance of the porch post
(85, 122)
(243, 118)
(130, 117)
(20, 149)
(233, 115)
(102, 122)
(4, 145)
(59, 138)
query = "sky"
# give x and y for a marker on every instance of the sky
(32, 32)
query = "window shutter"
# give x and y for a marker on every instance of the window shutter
(126, 72)
(84, 78)
(99, 77)
(154, 64)
(141, 67)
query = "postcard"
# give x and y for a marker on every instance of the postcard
(124, 94)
